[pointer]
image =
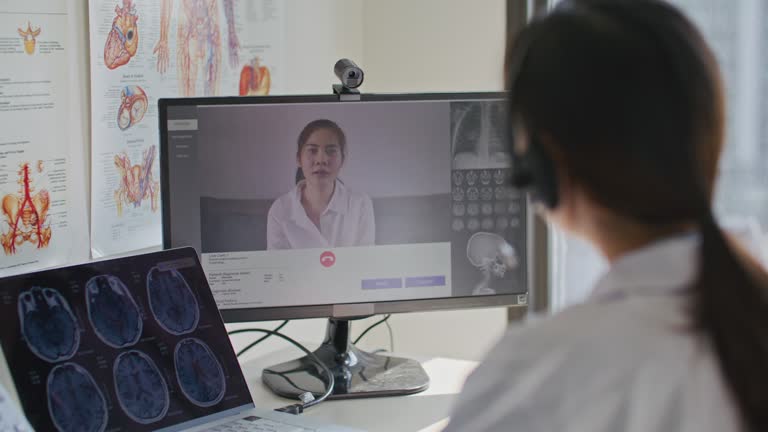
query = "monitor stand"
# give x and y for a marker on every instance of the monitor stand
(357, 373)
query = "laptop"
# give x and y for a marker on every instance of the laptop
(128, 344)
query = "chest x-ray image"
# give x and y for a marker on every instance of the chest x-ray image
(478, 135)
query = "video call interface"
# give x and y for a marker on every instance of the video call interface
(130, 344)
(295, 204)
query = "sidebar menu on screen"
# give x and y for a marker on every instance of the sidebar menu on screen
(183, 181)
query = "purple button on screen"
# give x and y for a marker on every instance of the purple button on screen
(424, 281)
(382, 283)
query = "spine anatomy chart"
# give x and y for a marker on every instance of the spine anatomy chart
(30, 38)
(144, 50)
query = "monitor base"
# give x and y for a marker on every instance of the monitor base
(357, 373)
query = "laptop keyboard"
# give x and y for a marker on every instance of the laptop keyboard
(257, 424)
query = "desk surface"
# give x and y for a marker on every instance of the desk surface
(422, 412)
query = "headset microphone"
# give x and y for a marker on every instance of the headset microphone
(534, 171)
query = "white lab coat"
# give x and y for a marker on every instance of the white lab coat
(11, 417)
(347, 221)
(625, 360)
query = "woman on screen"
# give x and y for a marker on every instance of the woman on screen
(320, 211)
(617, 106)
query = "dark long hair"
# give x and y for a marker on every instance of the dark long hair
(631, 96)
(311, 128)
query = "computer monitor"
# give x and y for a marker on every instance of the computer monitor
(308, 206)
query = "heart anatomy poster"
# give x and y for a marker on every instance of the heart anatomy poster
(144, 50)
(43, 213)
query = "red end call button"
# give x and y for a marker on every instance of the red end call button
(327, 259)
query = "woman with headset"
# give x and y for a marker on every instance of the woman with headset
(617, 120)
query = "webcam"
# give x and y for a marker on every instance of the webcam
(350, 74)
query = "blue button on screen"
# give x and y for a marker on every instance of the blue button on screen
(384, 283)
(424, 281)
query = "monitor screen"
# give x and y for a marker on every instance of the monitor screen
(305, 205)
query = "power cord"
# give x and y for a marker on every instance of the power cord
(307, 399)
(384, 320)
(259, 340)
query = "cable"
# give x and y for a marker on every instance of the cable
(391, 341)
(371, 327)
(259, 340)
(306, 403)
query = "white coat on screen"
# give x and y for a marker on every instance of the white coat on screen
(347, 221)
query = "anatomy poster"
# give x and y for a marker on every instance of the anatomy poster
(143, 50)
(42, 199)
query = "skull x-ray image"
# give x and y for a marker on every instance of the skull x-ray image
(478, 137)
(493, 256)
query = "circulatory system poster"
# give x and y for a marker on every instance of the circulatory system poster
(144, 50)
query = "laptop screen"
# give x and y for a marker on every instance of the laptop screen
(132, 343)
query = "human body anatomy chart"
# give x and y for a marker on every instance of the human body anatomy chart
(143, 50)
(42, 186)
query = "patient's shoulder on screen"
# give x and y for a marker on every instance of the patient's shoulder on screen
(354, 198)
(359, 197)
(281, 206)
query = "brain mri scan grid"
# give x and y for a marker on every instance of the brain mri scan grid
(172, 302)
(48, 324)
(140, 387)
(75, 402)
(118, 347)
(199, 373)
(112, 311)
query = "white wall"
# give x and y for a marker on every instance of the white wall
(317, 34)
(433, 45)
(407, 46)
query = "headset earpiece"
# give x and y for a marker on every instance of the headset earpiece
(533, 169)
(544, 187)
